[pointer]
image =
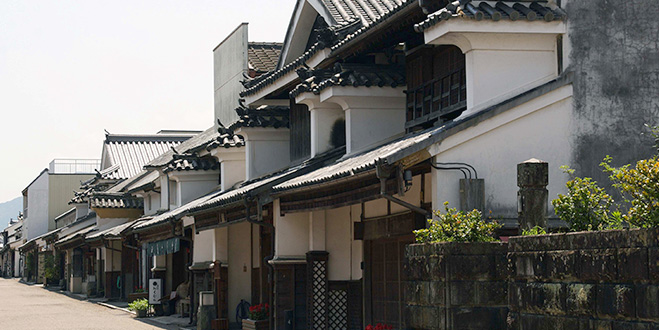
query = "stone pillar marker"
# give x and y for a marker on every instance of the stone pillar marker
(532, 196)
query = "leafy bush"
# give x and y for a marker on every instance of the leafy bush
(586, 206)
(457, 226)
(537, 230)
(50, 268)
(139, 305)
(640, 187)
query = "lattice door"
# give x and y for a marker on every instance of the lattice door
(317, 292)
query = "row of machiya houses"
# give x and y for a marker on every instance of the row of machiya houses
(328, 150)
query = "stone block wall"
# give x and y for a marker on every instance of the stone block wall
(456, 286)
(593, 280)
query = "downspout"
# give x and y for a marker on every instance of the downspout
(383, 174)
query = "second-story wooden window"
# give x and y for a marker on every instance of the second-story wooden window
(436, 86)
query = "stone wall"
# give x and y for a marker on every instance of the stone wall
(590, 280)
(456, 286)
(594, 280)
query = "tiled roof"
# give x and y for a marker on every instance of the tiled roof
(262, 116)
(354, 75)
(219, 199)
(132, 152)
(195, 143)
(354, 164)
(81, 197)
(192, 163)
(396, 7)
(115, 201)
(336, 36)
(494, 11)
(254, 85)
(79, 233)
(113, 232)
(366, 11)
(263, 56)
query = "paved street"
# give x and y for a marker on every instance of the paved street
(32, 307)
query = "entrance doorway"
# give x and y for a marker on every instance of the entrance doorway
(384, 258)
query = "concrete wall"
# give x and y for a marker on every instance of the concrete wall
(60, 192)
(37, 221)
(616, 80)
(229, 64)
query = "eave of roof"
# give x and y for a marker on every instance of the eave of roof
(492, 11)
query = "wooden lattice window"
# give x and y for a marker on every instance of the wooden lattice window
(437, 86)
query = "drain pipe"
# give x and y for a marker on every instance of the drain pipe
(383, 173)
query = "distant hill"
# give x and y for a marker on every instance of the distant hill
(10, 210)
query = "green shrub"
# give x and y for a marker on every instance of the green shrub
(139, 305)
(586, 206)
(50, 268)
(537, 230)
(640, 187)
(457, 226)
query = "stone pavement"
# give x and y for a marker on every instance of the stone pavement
(25, 306)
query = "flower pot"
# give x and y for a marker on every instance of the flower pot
(255, 325)
(140, 313)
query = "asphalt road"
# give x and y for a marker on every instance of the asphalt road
(25, 306)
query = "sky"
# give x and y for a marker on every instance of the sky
(71, 69)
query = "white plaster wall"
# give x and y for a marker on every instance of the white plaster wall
(372, 114)
(232, 173)
(240, 270)
(537, 129)
(36, 222)
(221, 244)
(267, 150)
(154, 206)
(111, 258)
(338, 222)
(105, 223)
(203, 246)
(191, 187)
(291, 233)
(81, 210)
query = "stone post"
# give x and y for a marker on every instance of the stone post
(532, 196)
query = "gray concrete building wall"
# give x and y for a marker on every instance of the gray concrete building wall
(60, 192)
(613, 49)
(229, 64)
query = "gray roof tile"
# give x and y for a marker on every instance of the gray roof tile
(494, 11)
(355, 75)
(263, 56)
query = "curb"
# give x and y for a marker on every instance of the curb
(115, 307)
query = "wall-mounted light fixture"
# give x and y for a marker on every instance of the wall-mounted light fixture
(407, 177)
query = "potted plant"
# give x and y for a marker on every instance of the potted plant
(257, 317)
(139, 306)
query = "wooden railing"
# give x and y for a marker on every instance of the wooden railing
(440, 97)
